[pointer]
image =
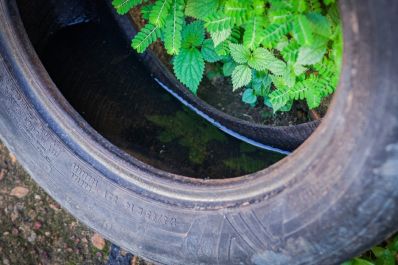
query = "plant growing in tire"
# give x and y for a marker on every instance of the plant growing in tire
(274, 52)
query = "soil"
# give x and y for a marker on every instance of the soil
(218, 93)
(34, 224)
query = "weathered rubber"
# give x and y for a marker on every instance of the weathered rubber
(332, 198)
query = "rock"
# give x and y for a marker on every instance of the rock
(98, 241)
(19, 192)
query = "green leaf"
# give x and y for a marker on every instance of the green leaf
(238, 10)
(201, 9)
(384, 256)
(279, 16)
(320, 24)
(261, 59)
(220, 36)
(160, 12)
(290, 52)
(302, 30)
(314, 5)
(274, 32)
(313, 97)
(209, 53)
(253, 33)
(123, 6)
(279, 98)
(189, 68)
(229, 67)
(239, 53)
(309, 55)
(219, 22)
(277, 67)
(261, 83)
(241, 76)
(393, 245)
(145, 37)
(358, 261)
(193, 35)
(145, 11)
(249, 96)
(174, 23)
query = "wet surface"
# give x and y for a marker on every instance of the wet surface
(103, 79)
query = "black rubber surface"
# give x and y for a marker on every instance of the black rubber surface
(332, 198)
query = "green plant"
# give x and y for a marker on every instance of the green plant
(384, 254)
(278, 50)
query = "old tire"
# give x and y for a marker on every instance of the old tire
(332, 198)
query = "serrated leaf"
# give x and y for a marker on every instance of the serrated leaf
(201, 9)
(160, 12)
(220, 36)
(145, 37)
(193, 34)
(123, 6)
(209, 53)
(239, 53)
(241, 76)
(189, 68)
(173, 30)
(277, 67)
(261, 59)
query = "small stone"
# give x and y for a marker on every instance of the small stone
(55, 207)
(32, 237)
(6, 261)
(37, 197)
(47, 233)
(37, 226)
(13, 158)
(6, 233)
(98, 241)
(2, 174)
(19, 192)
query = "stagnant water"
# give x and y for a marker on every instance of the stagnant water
(104, 80)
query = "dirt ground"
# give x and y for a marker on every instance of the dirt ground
(34, 229)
